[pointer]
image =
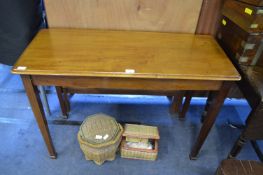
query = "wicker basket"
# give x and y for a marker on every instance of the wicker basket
(139, 133)
(99, 137)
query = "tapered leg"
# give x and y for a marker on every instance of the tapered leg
(66, 99)
(177, 102)
(237, 147)
(213, 110)
(62, 101)
(187, 101)
(210, 97)
(44, 98)
(37, 108)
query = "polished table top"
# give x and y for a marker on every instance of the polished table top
(100, 53)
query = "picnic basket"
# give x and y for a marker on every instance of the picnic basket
(139, 133)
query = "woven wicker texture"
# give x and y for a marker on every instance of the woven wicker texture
(132, 154)
(137, 133)
(141, 131)
(100, 149)
(100, 154)
(99, 128)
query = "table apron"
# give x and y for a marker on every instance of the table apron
(126, 83)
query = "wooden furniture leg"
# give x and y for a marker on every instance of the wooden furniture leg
(66, 100)
(237, 147)
(187, 101)
(177, 102)
(251, 131)
(210, 97)
(34, 99)
(44, 98)
(213, 110)
(62, 101)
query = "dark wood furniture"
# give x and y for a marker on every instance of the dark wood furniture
(240, 45)
(209, 16)
(244, 46)
(240, 33)
(239, 167)
(252, 87)
(246, 16)
(64, 94)
(253, 2)
(139, 62)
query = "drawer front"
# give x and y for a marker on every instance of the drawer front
(248, 17)
(253, 2)
(238, 44)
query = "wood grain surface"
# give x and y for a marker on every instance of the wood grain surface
(143, 15)
(239, 45)
(100, 53)
(248, 17)
(253, 2)
(209, 17)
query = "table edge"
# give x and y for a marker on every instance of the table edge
(236, 77)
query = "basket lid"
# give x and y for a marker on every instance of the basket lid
(141, 131)
(99, 128)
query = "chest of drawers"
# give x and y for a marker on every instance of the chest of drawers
(238, 43)
(248, 17)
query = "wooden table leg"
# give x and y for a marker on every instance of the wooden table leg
(213, 110)
(62, 101)
(44, 98)
(237, 147)
(34, 99)
(187, 101)
(66, 99)
(210, 97)
(177, 102)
